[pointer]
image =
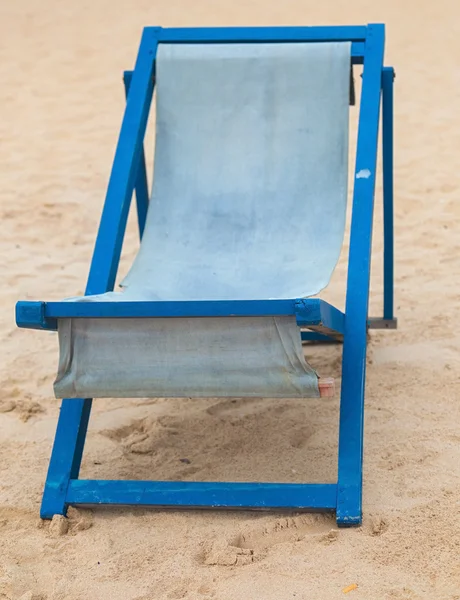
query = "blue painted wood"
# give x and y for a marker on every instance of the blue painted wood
(62, 486)
(204, 494)
(66, 455)
(318, 313)
(388, 226)
(314, 336)
(187, 308)
(141, 187)
(229, 35)
(349, 496)
(311, 312)
(31, 315)
(74, 415)
(109, 239)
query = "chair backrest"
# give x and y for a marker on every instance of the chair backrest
(250, 175)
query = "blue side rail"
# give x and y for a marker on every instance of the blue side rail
(313, 314)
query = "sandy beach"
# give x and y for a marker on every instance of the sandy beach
(61, 105)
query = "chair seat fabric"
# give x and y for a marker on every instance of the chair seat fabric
(248, 202)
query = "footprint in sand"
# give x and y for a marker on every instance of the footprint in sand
(377, 526)
(143, 435)
(239, 406)
(299, 438)
(287, 530)
(12, 399)
(406, 454)
(219, 552)
(186, 589)
(252, 545)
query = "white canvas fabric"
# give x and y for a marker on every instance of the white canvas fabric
(248, 202)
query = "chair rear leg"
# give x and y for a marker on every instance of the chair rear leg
(388, 76)
(66, 455)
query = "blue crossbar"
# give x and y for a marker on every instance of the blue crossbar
(229, 35)
(204, 494)
(324, 321)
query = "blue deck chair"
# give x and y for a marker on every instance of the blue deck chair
(266, 324)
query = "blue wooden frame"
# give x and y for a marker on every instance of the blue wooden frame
(325, 322)
(142, 192)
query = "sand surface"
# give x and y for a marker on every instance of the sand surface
(60, 111)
